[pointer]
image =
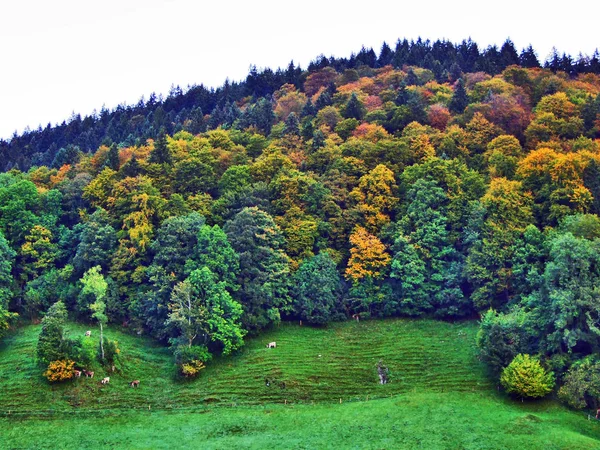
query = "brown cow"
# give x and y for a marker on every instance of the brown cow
(88, 373)
(135, 383)
(77, 373)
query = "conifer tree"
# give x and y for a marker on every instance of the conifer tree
(459, 100)
(160, 154)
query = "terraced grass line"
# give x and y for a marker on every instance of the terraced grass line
(438, 396)
(308, 365)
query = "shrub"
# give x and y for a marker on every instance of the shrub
(111, 352)
(192, 368)
(501, 337)
(83, 351)
(191, 359)
(60, 370)
(526, 377)
(582, 386)
(184, 354)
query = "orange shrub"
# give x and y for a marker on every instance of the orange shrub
(60, 370)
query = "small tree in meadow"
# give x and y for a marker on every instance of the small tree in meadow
(95, 284)
(526, 377)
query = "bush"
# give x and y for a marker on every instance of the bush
(60, 370)
(111, 352)
(501, 337)
(191, 359)
(526, 377)
(184, 354)
(191, 369)
(582, 386)
(83, 351)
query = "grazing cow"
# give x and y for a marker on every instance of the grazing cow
(356, 316)
(135, 383)
(77, 373)
(88, 333)
(105, 380)
(88, 373)
(272, 345)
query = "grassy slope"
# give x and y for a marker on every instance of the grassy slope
(439, 396)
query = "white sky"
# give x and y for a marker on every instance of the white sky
(60, 56)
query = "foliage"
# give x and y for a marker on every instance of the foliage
(264, 267)
(52, 344)
(581, 388)
(368, 256)
(318, 289)
(60, 370)
(526, 377)
(202, 310)
(440, 179)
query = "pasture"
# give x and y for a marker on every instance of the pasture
(438, 395)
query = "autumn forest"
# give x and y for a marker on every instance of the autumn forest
(429, 179)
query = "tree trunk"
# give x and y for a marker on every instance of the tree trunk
(101, 342)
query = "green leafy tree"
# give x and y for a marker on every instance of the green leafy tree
(501, 337)
(526, 377)
(581, 387)
(202, 310)
(566, 304)
(47, 289)
(264, 267)
(95, 285)
(175, 242)
(38, 253)
(97, 242)
(7, 258)
(318, 289)
(425, 261)
(214, 251)
(51, 344)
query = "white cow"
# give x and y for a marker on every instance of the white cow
(272, 345)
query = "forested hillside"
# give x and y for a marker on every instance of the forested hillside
(431, 180)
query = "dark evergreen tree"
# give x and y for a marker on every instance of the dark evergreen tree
(160, 153)
(292, 125)
(528, 58)
(402, 97)
(411, 78)
(308, 110)
(323, 100)
(385, 55)
(131, 168)
(318, 140)
(112, 160)
(459, 100)
(508, 54)
(354, 109)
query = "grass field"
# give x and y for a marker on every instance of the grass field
(438, 396)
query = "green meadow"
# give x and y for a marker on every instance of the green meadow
(322, 392)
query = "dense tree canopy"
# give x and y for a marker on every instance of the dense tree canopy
(433, 179)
